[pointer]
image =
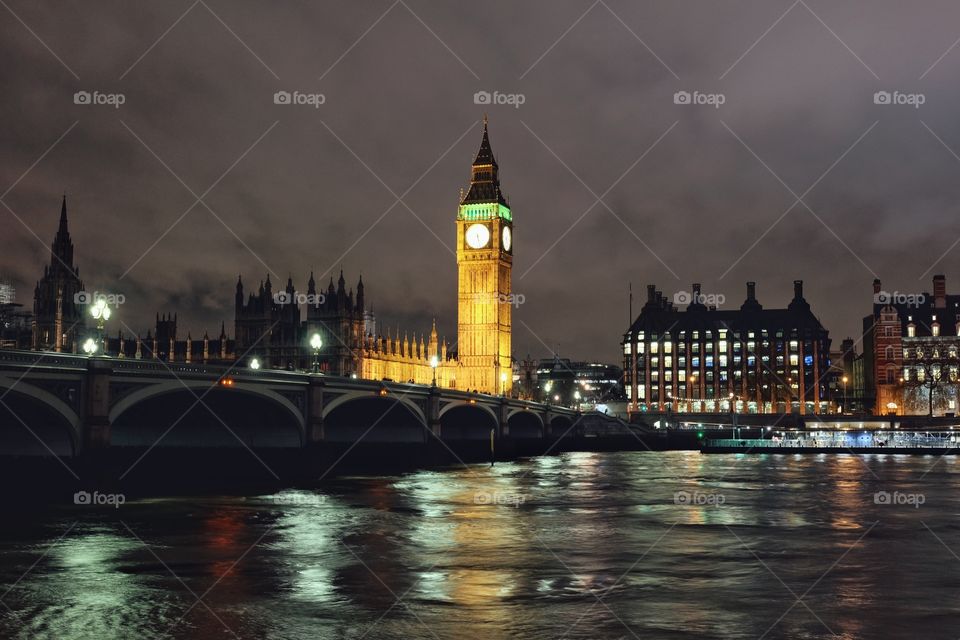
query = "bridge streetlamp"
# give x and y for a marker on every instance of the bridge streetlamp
(316, 343)
(433, 365)
(90, 346)
(254, 363)
(577, 396)
(100, 311)
(503, 383)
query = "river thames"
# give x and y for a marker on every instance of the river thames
(579, 545)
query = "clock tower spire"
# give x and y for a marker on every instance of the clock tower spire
(484, 266)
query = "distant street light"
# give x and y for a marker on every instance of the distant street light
(844, 407)
(254, 363)
(90, 346)
(503, 384)
(316, 342)
(433, 365)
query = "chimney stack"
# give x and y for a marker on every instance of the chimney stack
(751, 291)
(798, 289)
(939, 291)
(876, 285)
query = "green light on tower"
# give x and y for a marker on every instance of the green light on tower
(485, 211)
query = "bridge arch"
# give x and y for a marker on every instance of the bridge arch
(366, 417)
(50, 420)
(562, 426)
(524, 423)
(328, 408)
(169, 413)
(467, 421)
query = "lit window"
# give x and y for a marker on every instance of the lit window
(654, 347)
(935, 329)
(911, 331)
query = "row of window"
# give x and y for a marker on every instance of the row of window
(721, 333)
(708, 347)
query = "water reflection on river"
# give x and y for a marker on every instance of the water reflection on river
(584, 545)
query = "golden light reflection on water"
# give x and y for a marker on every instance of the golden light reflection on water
(470, 566)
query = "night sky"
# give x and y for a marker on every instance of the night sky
(610, 181)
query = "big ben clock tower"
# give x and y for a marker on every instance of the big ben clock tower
(484, 265)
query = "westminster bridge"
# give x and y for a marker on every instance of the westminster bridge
(68, 405)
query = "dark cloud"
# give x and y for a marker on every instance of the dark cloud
(302, 198)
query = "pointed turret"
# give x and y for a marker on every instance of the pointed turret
(62, 249)
(63, 215)
(433, 344)
(485, 153)
(484, 175)
(239, 296)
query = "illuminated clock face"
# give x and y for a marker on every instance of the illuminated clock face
(478, 236)
(507, 239)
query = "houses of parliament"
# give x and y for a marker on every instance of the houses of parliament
(275, 326)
